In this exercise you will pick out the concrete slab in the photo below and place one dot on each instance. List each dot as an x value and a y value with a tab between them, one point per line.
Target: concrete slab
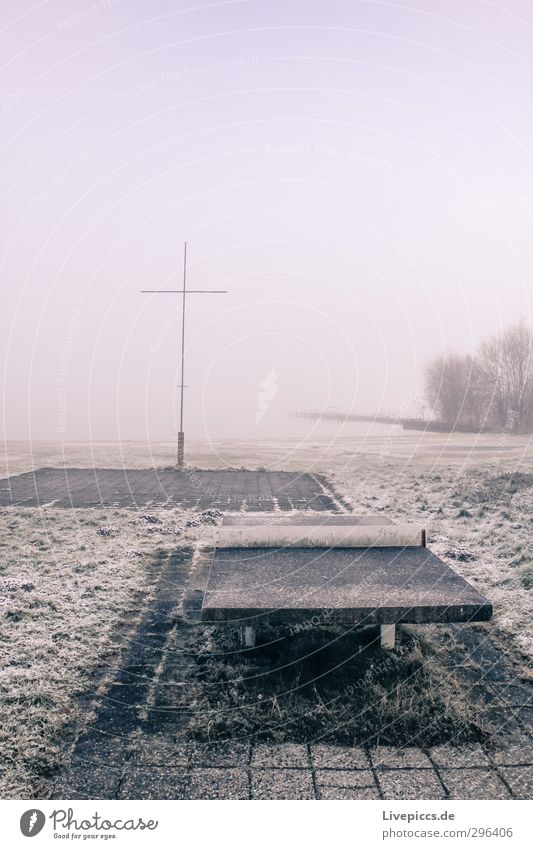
224	754
344	778
520	779
88	783
321	536
98	749
474	784
363	586
282	784
254	520
159	750
326	756
459	757
218	784
410	784
517	752
293	755
198	489
389	757
155	783
344	794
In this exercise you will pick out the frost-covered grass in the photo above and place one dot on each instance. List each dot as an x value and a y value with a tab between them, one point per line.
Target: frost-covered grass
316	448
64	587
480	520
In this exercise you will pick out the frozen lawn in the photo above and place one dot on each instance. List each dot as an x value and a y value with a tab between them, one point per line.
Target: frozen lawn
64	587
67	578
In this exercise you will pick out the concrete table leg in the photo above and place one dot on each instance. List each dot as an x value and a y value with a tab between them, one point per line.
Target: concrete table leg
388	636
248	637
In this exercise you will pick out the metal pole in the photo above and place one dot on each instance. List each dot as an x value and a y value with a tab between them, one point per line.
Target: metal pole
181	435
184	292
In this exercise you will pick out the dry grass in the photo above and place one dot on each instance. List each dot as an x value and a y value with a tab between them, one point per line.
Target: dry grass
327	684
64	587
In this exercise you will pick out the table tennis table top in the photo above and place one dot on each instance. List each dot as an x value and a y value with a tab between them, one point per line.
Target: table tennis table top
338	585
254	520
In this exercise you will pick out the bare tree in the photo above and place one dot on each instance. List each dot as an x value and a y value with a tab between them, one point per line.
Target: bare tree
455	390
493	389
476	402
506	362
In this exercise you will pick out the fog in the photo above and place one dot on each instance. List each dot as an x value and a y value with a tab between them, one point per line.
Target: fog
356	175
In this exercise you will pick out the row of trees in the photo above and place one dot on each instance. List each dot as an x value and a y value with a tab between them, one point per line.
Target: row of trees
492	389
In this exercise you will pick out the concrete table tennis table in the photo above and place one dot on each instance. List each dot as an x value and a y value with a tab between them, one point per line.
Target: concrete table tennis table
334	570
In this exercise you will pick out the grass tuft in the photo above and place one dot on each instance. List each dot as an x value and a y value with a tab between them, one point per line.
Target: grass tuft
328	684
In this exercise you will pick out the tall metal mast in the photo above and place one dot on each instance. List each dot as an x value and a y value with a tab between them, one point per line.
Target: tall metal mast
184	292
181	435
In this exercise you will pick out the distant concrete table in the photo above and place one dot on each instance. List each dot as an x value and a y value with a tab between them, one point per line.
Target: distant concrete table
381	585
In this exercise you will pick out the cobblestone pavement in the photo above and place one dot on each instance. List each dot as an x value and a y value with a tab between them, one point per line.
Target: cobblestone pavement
135	748
201	490
156	767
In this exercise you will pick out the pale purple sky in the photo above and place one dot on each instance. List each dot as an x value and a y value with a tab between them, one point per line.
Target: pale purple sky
357	174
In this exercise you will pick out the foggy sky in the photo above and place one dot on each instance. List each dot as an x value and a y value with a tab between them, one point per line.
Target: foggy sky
356	174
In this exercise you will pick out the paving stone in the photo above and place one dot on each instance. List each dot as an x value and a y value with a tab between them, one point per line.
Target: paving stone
459	756
520	779
218	784
345	793
154	783
159	749
338	757
515	752
140	674
166	487
85	783
98	748
389	757
140	656
124	697
345	778
282	784
410	784
474	784
280	755
116	720
168	704
232	753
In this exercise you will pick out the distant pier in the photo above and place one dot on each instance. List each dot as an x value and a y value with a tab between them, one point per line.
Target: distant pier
432	425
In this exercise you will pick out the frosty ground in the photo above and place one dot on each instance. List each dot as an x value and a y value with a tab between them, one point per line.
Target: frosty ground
71	579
